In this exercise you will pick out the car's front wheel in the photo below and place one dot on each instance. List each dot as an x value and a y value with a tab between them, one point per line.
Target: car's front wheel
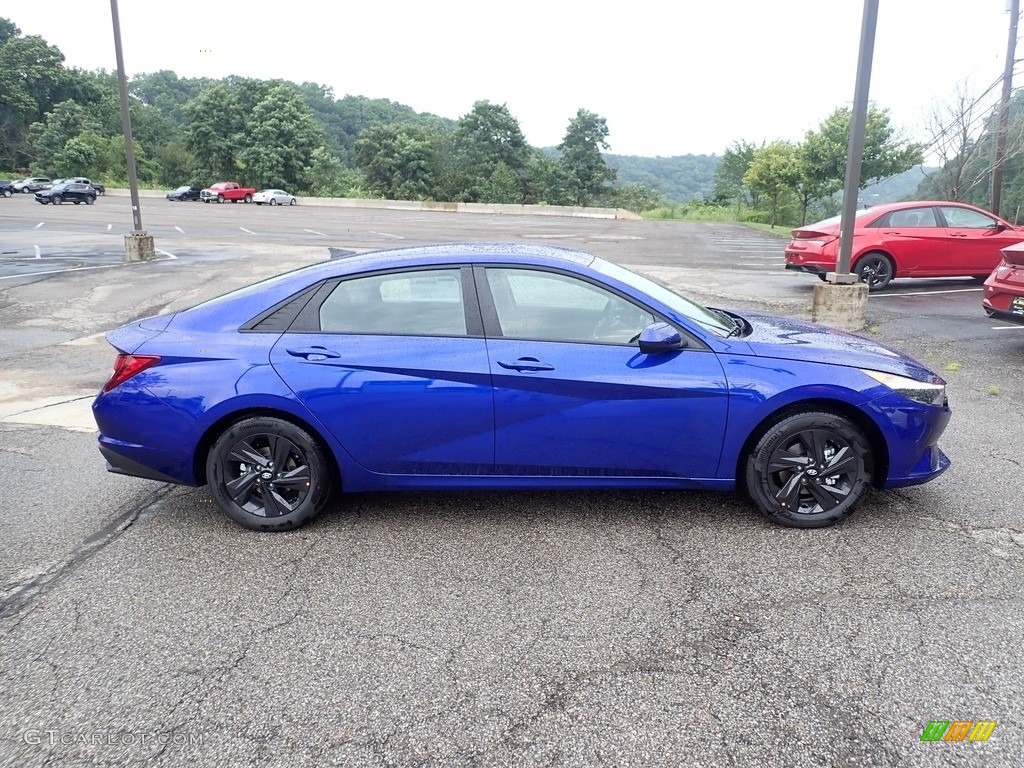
292	201
56	199
809	469
7	193
268	474
875	269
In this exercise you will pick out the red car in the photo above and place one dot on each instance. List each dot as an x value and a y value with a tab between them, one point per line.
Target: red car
916	239
1004	289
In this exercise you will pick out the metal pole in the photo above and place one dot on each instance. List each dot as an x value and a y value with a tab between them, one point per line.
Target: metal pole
1004	110
855	152
126	121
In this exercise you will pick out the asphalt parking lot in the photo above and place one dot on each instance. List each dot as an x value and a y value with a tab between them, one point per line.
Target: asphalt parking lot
140	625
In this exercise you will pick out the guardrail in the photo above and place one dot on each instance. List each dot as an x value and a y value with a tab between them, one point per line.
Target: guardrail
413	205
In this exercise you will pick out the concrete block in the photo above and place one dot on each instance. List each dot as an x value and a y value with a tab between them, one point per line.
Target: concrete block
139	246
841	305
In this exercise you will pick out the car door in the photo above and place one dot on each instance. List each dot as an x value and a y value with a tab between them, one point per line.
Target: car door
975	240
395	365
573	395
917	240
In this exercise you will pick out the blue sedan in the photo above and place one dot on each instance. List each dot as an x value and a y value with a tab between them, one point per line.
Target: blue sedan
498	366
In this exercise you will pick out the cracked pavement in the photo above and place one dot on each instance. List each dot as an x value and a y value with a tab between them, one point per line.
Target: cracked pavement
138	625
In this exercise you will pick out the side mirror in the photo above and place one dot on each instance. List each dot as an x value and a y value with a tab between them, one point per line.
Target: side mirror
660	337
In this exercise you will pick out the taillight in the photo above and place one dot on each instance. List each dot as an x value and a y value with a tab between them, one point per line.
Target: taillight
127	366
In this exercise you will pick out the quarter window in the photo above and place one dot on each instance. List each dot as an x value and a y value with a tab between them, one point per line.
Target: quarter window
422	303
532	304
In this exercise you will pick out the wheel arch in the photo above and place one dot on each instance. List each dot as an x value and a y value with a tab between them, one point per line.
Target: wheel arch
879	448
217	428
876	251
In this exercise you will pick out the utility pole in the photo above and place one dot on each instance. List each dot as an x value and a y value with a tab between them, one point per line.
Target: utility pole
1004	110
139	244
843	300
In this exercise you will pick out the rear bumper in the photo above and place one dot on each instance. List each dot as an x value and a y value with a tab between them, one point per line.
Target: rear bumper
811	269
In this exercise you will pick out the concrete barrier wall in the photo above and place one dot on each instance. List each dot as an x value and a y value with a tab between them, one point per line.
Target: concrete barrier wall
412	205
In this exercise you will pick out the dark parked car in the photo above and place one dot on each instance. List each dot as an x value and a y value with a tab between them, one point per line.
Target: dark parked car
6	188
69	191
916	239
500	366
32	184
184	193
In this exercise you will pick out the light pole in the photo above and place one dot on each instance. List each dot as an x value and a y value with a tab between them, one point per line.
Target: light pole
139	244
843	300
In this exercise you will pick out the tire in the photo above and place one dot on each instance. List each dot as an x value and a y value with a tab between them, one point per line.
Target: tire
803	463
89	199
875	269
293	201
220	198
76	202
822	277
247	199
7	193
296	493
25	190
273	201
56	199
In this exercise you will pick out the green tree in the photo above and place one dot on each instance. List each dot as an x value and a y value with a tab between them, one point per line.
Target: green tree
728	180
774	171
483	138
545	181
586	173
280	140
825	151
637	198
400	162
502	187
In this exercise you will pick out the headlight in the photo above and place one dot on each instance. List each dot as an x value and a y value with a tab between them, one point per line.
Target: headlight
928	392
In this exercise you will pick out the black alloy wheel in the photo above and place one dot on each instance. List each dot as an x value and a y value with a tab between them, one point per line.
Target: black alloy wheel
809	470
876	270
268	474
56	199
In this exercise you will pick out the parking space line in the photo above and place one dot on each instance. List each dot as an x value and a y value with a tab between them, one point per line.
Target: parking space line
109	227
925	293
168	254
40	224
1008	327
314	232
385	234
38	252
55	271
247	230
180	229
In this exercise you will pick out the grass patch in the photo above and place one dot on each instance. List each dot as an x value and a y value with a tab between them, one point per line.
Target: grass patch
952	367
995	390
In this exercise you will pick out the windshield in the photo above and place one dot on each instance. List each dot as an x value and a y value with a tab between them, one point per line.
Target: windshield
720	325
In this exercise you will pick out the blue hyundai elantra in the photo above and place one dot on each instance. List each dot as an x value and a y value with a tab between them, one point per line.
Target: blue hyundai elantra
500	366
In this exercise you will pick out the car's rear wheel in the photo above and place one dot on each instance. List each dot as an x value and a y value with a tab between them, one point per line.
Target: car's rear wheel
89	199
248	198
268	474
823	277
273	201
875	269
810	469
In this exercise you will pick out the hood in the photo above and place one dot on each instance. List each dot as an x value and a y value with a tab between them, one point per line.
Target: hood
787	339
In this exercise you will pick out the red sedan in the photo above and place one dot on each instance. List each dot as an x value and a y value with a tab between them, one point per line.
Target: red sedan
1004	289
916	239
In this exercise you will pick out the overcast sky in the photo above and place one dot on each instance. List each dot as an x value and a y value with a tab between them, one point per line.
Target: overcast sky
670	77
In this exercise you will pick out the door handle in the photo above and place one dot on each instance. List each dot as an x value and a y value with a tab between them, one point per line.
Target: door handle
313	353
525	364
957	234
